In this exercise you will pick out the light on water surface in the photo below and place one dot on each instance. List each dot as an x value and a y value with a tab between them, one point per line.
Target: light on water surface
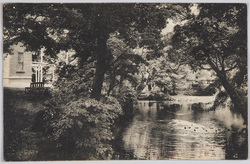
165	130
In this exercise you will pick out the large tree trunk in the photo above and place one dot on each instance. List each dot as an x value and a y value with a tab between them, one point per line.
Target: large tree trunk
101	51
237	101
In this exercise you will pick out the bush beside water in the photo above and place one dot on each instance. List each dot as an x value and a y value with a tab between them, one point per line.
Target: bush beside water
45	129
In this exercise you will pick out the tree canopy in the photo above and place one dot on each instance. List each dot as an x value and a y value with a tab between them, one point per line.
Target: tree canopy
86	28
206	36
216	39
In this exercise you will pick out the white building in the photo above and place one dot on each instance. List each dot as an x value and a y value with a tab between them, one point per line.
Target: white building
21	67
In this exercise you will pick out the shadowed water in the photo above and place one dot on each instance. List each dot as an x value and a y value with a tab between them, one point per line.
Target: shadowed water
165	130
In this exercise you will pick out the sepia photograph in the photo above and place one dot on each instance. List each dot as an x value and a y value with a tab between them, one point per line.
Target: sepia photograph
124	81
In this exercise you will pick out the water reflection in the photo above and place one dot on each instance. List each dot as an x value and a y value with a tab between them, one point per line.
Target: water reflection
161	130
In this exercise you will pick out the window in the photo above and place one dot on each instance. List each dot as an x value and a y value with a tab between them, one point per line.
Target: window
20	65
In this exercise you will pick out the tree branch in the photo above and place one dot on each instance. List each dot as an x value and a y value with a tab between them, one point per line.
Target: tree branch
233	67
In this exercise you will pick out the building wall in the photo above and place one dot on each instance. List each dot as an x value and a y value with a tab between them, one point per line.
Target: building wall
12	76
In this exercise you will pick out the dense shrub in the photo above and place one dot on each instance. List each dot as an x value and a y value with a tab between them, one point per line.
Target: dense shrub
73	82
76	126
81	129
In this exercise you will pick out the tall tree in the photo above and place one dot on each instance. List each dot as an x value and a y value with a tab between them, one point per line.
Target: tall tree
85	28
216	39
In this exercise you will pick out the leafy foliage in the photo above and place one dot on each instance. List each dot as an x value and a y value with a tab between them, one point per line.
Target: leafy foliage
78	119
73	82
76	123
86	29
123	65
216	39
84	125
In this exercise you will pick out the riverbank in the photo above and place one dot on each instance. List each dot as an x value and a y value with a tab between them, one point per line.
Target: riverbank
35	131
26	136
192	99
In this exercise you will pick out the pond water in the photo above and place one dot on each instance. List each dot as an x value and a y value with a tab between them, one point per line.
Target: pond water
184	130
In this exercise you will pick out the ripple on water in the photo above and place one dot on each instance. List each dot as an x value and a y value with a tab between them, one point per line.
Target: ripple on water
165	132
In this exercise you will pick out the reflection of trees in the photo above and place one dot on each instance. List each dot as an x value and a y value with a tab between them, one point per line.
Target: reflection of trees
137	136
167	111
161	131
237	145
197	111
187	143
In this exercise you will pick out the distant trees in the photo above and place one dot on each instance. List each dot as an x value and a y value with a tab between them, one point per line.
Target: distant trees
122	64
